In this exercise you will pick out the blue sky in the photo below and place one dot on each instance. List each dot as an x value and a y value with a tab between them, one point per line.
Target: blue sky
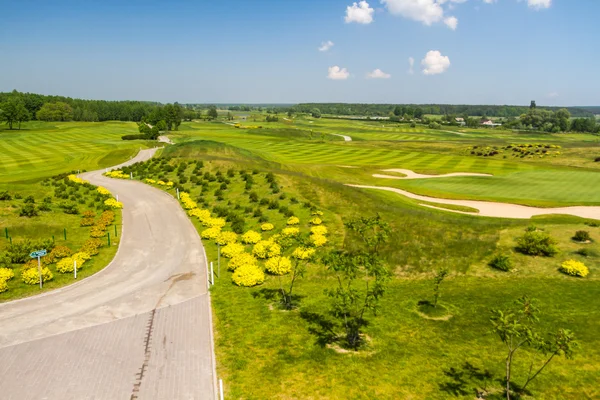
506	52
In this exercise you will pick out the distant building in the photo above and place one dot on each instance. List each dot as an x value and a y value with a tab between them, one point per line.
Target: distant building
489	122
461	121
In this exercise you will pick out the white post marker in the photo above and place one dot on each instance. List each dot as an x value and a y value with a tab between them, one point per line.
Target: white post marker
131	175
212	274
221	388
117	197
75	268
40	270
177	193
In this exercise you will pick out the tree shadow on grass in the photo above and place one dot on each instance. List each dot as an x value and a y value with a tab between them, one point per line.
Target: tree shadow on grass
276	296
321	327
468	379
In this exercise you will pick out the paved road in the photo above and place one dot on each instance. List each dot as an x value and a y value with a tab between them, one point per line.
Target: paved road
141	328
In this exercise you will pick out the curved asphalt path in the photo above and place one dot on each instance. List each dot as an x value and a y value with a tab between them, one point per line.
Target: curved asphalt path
140	328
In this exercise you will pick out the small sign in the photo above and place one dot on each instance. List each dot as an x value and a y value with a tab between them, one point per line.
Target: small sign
39	253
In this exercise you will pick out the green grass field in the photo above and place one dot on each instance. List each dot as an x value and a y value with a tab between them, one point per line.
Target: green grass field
265	352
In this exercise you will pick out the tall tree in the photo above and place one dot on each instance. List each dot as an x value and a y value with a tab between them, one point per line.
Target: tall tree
56	111
212	112
13	111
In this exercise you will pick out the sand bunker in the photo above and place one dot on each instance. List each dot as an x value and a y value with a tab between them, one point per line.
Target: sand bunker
346	138
413	175
497	210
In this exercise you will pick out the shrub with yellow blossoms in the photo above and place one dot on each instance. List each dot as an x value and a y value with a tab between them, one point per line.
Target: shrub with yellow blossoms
574	268
241	259
293	221
3	286
279	265
210	233
102	190
318	240
113	203
266	249
74	178
267	226
318	230
232	250
117	174
251	237
187	201
6	274
214	222
170	184
303	253
161	183
316	221
30	276
248	275
319	213
201	214
150	181
290	231
226	237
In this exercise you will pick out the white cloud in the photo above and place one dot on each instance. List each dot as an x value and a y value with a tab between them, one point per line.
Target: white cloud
360	13
326	45
426	11
435	63
489	1
337	73
451	22
378	74
411	63
539	4
552	95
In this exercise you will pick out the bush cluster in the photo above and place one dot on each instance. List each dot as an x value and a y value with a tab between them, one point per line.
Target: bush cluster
537	243
574	268
501	262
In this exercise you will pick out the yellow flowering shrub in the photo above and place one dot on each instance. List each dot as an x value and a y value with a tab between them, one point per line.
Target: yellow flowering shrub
57	253
318	240
3	286
278	265
316	221
248	275
318	230
293	221
75	179
267	226
210	233
303	253
241	259
574	268
226	237
319	213
91	246
215	222
81	257
117	174
113	203
187	201
290	231
169	184
251	237
6	274
161	183
66	265
30	276
103	190
150	181
232	250
97	231
202	215
266	249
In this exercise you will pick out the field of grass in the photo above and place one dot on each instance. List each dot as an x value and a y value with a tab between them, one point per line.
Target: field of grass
266	352
27	159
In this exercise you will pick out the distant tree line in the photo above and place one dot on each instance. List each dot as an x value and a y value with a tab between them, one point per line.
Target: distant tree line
387	110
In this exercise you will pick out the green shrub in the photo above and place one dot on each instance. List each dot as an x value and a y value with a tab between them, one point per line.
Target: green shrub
44	207
582	236
501	262
28	211
537	243
19	250
5	196
5	260
69	208
29	199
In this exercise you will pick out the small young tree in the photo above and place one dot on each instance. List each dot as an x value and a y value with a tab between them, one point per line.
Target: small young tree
361	277
515	327
437	281
301	257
